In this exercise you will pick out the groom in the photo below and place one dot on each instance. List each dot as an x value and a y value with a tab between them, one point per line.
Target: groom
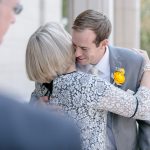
90	34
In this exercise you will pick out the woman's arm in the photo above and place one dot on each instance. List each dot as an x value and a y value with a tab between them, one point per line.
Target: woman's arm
40	95
126	104
146	75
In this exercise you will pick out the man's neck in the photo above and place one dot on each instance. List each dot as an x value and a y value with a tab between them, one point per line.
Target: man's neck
72	68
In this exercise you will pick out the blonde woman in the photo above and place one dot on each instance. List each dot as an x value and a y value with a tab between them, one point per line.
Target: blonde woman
86	98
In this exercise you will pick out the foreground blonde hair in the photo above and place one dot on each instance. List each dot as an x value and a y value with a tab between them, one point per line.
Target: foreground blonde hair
49	53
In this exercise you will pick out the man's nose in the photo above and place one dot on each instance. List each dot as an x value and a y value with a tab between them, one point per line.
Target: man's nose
78	52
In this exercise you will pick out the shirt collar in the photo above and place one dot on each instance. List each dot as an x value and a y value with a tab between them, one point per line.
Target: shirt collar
103	65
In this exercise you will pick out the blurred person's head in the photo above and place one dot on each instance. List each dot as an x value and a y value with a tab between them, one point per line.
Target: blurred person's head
91	30
49	53
8	10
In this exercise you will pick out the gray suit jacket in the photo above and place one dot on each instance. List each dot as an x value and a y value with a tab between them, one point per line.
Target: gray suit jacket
125	132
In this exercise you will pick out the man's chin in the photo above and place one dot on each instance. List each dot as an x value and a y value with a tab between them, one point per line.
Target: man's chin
81	62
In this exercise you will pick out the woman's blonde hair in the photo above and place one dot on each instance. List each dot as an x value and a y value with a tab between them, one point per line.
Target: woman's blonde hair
49	53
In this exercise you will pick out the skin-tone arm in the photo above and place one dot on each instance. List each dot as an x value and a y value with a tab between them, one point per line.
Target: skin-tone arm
145	79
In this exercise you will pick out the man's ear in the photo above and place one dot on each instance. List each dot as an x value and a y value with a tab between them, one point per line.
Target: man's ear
104	43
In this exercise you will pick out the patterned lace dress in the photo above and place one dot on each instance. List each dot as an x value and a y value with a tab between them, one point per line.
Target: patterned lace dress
87	98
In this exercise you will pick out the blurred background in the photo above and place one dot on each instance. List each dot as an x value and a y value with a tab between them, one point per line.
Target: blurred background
131	28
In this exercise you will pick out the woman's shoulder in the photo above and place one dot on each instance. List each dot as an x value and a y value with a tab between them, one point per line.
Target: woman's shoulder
81	78
91	80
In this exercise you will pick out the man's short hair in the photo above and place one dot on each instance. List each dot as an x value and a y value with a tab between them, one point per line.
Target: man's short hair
95	21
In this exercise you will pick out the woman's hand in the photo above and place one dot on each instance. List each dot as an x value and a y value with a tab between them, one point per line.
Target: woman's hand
146	74
44	99
144	54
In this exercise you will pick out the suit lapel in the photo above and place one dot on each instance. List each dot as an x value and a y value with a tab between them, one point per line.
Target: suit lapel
115	60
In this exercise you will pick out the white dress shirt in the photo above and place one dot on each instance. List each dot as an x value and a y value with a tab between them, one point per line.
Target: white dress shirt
103	66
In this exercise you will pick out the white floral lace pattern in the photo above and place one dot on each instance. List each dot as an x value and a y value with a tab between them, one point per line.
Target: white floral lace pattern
87	98
143	111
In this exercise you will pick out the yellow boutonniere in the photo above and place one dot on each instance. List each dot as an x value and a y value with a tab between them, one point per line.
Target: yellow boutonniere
119	76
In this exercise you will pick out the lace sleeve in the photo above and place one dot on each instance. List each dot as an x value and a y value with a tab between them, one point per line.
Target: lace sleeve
115	100
143	110
40	90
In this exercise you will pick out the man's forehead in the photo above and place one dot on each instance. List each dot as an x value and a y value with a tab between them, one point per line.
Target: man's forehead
83	41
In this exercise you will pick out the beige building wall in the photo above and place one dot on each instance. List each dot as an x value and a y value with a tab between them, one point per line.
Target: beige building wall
127	23
13	78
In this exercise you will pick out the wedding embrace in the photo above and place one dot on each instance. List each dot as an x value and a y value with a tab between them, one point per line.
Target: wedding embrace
51	58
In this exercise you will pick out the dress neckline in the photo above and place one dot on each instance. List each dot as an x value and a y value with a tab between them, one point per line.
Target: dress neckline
69	72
